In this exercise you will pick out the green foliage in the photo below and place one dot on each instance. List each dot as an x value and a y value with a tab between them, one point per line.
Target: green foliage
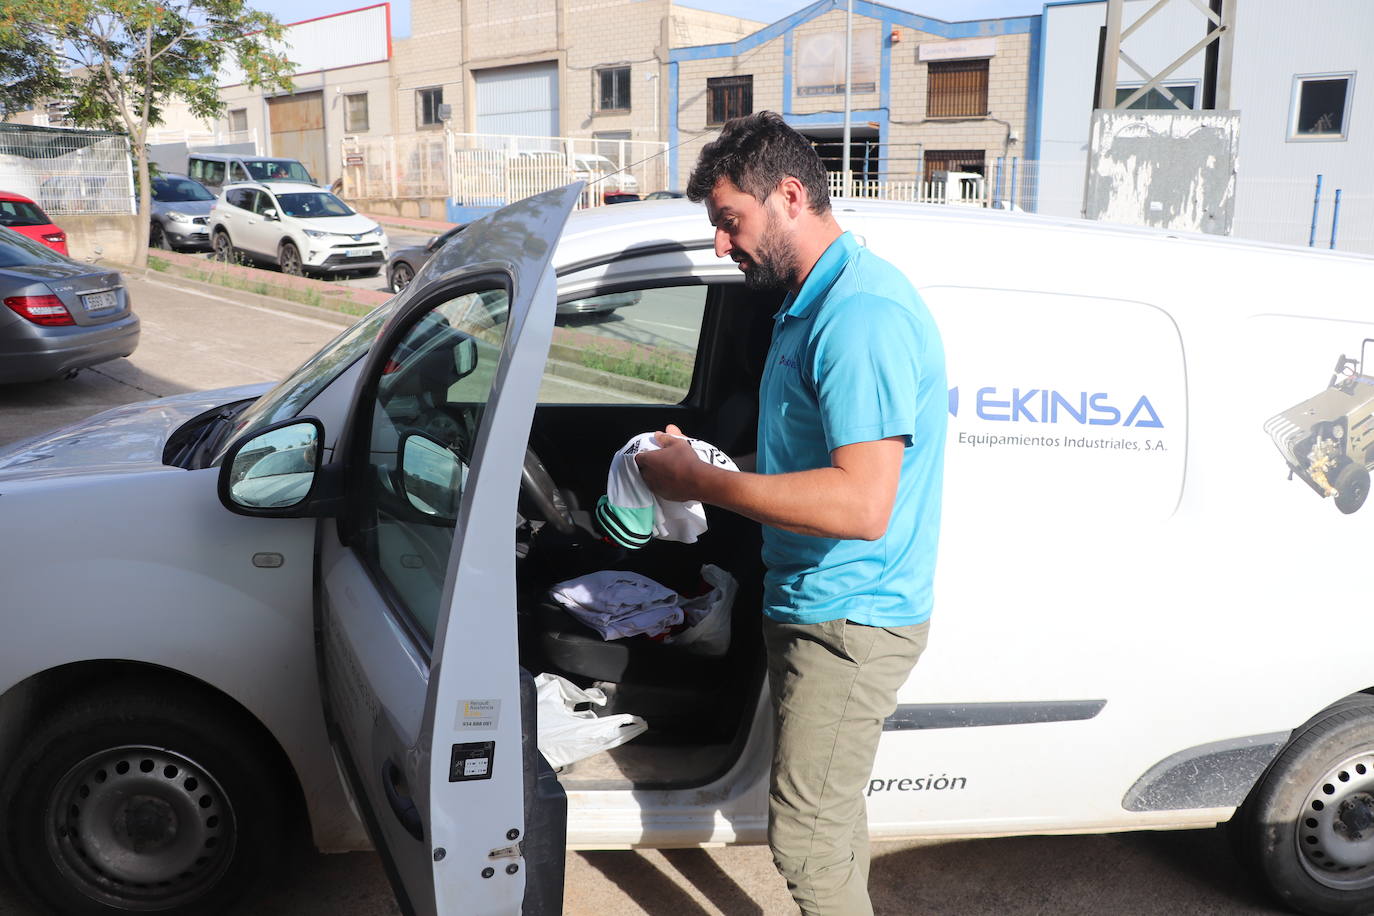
28	71
651	364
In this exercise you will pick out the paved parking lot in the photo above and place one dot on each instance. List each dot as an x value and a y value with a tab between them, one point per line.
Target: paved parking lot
192	341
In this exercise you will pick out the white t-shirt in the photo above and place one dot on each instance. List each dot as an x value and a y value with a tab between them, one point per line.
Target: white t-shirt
631	514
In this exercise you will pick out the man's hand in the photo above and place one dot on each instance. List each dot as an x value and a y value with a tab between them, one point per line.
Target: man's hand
672	471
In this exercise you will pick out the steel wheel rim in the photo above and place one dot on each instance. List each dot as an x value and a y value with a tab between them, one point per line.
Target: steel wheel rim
140	828
222	247
290	261
1335	829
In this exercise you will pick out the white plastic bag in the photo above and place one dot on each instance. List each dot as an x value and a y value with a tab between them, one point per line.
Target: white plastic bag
566	735
708	616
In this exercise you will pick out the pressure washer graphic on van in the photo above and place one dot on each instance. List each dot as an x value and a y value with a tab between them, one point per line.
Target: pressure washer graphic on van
1328	440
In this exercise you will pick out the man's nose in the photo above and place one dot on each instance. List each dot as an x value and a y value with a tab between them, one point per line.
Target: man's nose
723	245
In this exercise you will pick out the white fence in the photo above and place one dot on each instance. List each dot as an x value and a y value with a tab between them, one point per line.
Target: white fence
488	170
67	171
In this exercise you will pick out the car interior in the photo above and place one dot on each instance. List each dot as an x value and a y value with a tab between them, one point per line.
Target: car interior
697	708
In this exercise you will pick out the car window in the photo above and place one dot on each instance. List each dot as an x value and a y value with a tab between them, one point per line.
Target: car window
211	172
279	170
312	205
237	172
263	202
17	250
178	190
425	416
21	213
299	388
239	197
628	346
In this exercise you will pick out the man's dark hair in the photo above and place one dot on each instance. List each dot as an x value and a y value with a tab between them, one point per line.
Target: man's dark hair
756	152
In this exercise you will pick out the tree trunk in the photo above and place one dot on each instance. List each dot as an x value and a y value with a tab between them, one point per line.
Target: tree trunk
143	224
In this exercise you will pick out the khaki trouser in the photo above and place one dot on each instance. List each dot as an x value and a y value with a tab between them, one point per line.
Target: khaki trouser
832	685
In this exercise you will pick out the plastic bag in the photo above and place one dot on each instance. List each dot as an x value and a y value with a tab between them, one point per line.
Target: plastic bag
708	616
567	735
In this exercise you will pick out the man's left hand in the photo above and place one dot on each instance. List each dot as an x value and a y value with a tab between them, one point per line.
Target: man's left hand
672	471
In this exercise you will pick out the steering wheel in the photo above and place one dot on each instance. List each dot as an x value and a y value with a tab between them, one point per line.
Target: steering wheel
541	496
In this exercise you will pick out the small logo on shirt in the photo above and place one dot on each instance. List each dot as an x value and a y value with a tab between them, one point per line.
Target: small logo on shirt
790	362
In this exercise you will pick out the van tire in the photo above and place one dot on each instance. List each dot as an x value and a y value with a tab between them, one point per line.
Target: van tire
169	804
289	260
1314	848
1352	486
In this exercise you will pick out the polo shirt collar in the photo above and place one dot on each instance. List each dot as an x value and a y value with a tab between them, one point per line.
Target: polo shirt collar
821	277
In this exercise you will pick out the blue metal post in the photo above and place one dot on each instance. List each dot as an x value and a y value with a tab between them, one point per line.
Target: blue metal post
1335	217
997	186
1014	194
1316	202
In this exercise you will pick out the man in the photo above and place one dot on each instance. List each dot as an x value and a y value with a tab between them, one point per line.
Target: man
850	460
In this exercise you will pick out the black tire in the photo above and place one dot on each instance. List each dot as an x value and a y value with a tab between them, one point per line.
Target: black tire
222	249
157	237
401	275
1314	848
289	260
144	801
1352	487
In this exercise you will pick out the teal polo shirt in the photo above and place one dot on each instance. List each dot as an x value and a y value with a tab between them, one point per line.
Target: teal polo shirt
855	357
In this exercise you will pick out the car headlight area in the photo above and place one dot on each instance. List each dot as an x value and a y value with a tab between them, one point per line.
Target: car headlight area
344	251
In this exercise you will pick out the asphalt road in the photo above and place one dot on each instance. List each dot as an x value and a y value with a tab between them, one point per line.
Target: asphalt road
192	342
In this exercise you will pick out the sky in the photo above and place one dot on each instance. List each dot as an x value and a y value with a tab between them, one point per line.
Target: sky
288	11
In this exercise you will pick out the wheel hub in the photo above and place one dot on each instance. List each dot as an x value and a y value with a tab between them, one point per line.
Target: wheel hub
1335	830
140	828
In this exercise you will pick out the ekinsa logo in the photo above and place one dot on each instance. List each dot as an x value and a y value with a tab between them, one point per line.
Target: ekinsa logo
1046	405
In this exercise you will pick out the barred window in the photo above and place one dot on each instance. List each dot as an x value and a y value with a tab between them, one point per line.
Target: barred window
427	102
729	97
355	112
957	89
613	89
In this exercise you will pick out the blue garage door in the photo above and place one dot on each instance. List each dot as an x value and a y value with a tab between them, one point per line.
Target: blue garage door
519	100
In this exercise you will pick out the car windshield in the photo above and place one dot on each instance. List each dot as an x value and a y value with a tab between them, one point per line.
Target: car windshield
312	205
278	170
19	251
179	190
300	387
21	213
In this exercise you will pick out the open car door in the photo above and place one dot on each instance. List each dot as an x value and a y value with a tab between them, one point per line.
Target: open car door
416	598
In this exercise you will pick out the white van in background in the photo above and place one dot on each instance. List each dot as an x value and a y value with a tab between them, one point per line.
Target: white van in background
1148	596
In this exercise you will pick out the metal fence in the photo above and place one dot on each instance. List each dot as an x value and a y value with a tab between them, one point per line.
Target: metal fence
66	170
487	170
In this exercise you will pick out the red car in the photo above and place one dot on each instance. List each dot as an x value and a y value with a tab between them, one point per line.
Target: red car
27	218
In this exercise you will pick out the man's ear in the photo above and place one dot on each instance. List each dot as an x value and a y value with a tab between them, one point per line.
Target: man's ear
794	196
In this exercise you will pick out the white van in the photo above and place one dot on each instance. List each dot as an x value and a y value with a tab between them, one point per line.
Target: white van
1148	599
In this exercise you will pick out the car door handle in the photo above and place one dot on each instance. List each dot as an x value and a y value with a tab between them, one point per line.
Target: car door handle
402	805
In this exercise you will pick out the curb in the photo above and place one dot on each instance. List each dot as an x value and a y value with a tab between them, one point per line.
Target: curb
322	312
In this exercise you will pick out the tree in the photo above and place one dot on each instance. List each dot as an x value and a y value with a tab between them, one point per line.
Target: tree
129	58
28	71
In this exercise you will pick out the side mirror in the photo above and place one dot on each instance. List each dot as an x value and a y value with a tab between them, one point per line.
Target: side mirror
274	472
431	476
270	213
465	357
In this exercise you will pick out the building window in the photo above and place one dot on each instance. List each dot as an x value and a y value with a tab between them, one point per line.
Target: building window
238	120
427	105
957	89
820	62
613	89
955	160
729	97
1154	100
1321	107
355	112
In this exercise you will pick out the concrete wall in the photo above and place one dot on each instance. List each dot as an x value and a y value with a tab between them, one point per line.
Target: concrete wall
113	237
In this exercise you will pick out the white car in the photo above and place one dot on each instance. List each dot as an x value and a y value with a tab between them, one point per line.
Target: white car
298	227
215	604
603	174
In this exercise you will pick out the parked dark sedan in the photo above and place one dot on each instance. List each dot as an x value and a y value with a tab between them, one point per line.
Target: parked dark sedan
405	263
60	315
181	209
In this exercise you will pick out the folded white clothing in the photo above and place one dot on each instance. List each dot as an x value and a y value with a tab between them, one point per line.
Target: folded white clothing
630	513
617	603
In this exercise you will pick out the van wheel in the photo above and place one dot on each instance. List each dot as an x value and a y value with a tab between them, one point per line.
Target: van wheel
289	260
223	249
1352	486
1308	826
142	802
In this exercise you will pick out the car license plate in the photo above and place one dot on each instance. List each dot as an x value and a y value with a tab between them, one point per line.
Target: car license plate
99	302
358	252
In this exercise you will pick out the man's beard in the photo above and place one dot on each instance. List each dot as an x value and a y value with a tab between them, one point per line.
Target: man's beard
776	264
